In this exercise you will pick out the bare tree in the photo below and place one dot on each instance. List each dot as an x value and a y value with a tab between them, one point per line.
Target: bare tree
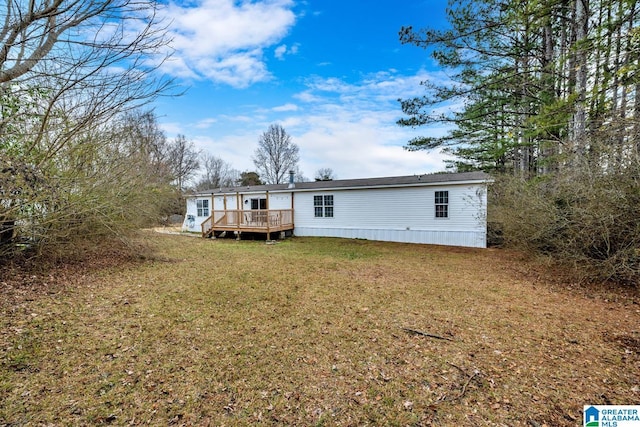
88	58
139	132
298	175
217	173
325	174
68	72
183	160
276	155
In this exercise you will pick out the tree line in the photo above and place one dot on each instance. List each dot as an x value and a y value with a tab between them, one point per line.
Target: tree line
544	94
75	157
79	157
81	154
274	158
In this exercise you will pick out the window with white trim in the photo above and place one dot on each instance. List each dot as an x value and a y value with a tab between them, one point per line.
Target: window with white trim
203	207
323	206
442	204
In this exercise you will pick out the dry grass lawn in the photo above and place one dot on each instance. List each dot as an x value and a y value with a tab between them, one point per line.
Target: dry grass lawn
312	331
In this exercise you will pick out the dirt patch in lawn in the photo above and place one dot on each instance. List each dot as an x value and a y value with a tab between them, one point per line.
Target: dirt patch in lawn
312	331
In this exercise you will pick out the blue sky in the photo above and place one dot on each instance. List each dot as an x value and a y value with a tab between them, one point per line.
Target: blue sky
330	72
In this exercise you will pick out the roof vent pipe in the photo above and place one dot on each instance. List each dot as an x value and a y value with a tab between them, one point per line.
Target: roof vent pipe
292	175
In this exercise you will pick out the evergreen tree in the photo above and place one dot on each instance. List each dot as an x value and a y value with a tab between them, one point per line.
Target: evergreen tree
542	83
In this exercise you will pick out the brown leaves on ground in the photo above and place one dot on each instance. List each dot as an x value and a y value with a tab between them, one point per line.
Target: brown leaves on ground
311	332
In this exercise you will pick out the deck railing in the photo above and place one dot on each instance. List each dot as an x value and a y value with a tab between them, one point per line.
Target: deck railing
256	220
206	226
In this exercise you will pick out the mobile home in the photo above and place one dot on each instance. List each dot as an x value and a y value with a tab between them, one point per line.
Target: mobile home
444	209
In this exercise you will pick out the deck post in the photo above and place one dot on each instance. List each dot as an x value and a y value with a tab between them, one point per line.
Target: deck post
238	214
267	217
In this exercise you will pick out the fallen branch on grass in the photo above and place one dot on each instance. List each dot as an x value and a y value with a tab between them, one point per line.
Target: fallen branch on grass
458	368
425	334
464	388
469	379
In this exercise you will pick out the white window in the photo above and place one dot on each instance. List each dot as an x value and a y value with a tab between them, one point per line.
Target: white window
442	204
203	207
323	206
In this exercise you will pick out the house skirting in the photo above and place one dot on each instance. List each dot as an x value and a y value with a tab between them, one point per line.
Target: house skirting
474	239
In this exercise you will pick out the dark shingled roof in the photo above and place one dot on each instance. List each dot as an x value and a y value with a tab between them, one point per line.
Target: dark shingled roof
392	181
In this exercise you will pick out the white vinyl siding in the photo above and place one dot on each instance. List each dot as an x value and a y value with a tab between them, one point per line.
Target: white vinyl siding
399	214
198	209
279	201
218	202
276	201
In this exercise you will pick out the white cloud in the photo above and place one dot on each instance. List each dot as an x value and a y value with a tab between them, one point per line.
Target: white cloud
280	51
351	127
286	107
283	50
171	128
330	84
238	118
307	96
235	149
206	123
361	145
223	40
347	126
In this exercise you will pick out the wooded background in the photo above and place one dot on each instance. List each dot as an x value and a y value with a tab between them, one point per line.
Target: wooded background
545	95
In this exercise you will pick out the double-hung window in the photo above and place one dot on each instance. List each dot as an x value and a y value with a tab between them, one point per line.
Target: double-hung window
323	206
442	204
203	207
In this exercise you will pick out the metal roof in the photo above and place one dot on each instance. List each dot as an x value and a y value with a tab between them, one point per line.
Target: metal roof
393	181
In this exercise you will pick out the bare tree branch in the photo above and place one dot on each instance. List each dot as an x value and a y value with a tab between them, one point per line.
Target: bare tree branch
70	71
276	155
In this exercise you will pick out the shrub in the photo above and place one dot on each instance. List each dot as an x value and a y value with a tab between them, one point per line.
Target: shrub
581	218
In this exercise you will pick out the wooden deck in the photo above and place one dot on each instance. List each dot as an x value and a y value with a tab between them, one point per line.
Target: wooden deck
251	221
